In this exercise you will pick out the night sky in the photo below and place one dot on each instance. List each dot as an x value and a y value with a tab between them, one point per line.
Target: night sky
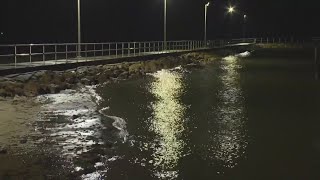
36	21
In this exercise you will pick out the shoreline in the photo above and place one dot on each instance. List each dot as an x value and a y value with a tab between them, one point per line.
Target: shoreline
50	82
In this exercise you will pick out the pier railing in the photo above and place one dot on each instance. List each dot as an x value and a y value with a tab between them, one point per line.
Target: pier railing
28	55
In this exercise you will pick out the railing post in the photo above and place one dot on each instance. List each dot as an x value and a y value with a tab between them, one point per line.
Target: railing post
122	49
30	55
86	49
94	50
128	49
55	54
139	48
134	49
15	56
144	47
158	46
116	49
149	46
66	53
110	49
43	55
162	46
102	49
79	52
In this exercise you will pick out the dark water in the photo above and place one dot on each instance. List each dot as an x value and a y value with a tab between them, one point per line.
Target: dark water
253	117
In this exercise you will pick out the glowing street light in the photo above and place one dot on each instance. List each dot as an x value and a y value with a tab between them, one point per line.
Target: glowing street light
205	22
231	9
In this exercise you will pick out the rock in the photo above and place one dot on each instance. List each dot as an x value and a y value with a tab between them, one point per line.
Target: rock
75	117
24	77
47	77
134	76
38	74
123	75
150	66
31	89
69	77
193	65
3	93
3	150
135	68
103	78
23	141
53	88
2	79
11	88
18	98
82	70
85	81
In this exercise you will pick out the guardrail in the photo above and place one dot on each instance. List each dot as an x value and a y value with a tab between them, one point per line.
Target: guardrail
44	54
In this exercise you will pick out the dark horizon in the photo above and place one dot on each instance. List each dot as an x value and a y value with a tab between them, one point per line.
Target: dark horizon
44	21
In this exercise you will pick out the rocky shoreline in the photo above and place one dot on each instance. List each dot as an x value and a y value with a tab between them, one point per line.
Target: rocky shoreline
49	82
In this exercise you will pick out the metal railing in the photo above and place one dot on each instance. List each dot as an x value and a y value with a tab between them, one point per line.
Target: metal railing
28	55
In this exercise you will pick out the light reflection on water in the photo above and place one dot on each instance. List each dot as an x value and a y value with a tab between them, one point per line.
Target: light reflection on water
230	137
167	122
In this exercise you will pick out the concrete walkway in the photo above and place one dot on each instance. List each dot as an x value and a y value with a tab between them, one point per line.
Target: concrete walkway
82	59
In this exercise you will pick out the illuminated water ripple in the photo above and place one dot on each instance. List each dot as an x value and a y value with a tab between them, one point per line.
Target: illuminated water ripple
228	142
167	123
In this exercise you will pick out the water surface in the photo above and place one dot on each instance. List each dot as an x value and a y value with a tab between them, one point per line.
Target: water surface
247	116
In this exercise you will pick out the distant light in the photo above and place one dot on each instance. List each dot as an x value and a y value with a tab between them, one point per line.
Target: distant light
1	33
208	4
245	16
231	9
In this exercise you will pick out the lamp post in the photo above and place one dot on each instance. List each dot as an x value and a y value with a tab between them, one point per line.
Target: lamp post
79	29
244	26
165	25
205	22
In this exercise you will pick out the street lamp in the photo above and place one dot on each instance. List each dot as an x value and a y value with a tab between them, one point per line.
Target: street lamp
165	25
231	9
79	29
205	22
244	26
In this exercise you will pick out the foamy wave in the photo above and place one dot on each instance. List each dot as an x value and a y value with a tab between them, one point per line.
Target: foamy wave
71	119
244	54
121	125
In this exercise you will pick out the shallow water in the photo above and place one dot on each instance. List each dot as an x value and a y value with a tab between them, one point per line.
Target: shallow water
243	117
